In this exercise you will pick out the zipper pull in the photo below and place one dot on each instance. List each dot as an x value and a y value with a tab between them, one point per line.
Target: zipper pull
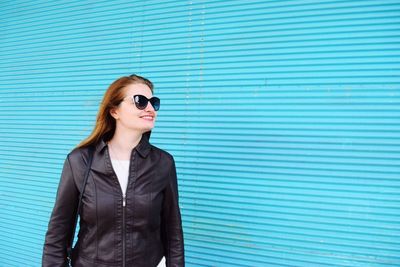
123	201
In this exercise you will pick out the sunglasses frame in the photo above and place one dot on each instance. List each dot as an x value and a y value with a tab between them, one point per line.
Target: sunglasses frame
151	100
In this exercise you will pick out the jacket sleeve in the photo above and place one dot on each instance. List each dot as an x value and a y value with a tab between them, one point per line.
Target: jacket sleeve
61	220
172	224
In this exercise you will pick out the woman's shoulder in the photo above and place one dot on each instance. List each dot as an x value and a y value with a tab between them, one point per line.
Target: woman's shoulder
163	153
79	155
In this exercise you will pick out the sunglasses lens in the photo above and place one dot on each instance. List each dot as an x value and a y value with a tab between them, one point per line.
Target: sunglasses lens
155	102
140	101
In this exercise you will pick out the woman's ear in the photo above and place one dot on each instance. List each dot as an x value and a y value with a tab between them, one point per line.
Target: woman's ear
114	113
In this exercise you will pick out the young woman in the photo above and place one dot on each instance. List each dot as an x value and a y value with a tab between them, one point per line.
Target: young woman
130	214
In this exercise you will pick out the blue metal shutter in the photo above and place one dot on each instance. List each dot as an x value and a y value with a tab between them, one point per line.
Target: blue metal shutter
56	60
283	118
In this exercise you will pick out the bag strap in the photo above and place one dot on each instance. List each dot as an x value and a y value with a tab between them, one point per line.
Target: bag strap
69	247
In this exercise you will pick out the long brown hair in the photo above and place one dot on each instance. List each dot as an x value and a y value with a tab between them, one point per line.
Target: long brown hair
105	123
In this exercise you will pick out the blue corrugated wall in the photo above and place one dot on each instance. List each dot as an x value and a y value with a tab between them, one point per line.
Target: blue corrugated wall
283	118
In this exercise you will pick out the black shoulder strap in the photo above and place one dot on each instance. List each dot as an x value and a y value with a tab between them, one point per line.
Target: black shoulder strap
69	247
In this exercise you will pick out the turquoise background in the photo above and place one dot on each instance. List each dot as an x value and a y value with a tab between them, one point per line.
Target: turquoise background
283	118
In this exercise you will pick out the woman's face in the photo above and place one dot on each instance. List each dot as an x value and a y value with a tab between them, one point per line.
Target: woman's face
128	116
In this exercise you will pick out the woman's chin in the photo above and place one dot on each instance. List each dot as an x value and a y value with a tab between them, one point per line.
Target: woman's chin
148	127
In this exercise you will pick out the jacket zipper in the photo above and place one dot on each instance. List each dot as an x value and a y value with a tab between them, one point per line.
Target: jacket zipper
123	230
123	212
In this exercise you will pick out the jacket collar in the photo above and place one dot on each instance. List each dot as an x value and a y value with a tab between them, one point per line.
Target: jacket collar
143	147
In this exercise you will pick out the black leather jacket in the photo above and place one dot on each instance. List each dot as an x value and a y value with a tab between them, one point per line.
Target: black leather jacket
137	234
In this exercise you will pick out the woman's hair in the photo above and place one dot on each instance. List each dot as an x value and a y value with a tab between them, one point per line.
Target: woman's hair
105	123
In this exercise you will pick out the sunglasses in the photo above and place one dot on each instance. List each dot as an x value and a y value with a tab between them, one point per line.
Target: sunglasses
141	101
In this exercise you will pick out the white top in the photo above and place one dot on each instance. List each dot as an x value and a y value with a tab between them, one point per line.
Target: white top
121	168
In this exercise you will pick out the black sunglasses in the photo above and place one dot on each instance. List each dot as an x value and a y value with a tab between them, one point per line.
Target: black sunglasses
141	101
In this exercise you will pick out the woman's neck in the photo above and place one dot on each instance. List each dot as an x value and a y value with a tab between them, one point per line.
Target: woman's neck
122	145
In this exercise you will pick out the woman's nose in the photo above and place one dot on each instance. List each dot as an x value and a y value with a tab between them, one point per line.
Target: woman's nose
150	107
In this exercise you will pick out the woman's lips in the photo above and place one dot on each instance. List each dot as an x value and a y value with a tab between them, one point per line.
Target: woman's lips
148	118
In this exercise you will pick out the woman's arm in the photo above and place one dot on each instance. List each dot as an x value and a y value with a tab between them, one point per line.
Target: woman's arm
172	224
61	221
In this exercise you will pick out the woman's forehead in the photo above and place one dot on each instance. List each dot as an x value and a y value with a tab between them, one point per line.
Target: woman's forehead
138	88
